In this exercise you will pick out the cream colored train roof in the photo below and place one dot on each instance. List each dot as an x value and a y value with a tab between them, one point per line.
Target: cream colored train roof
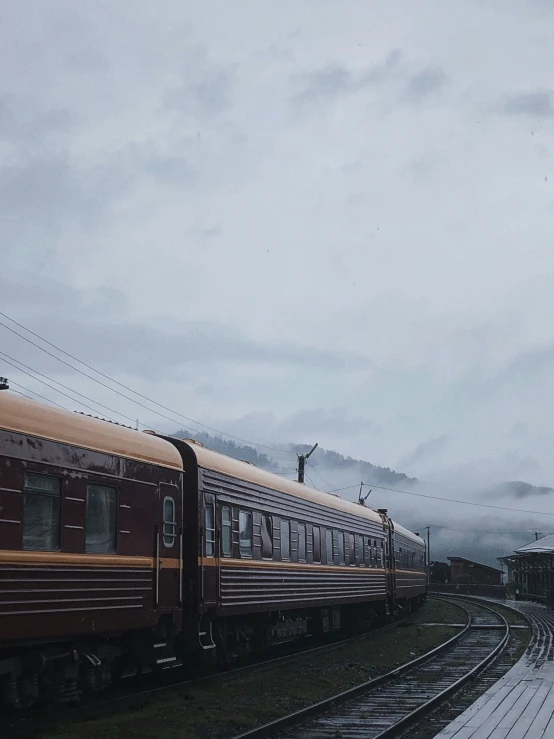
243	470
37	419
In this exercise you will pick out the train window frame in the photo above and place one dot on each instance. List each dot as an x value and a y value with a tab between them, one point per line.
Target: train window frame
316	545
266	530
91	548
329	546
30	494
245	551
226	529
340	547
285	526
359	549
302	542
367	552
209	531
351	549
169	523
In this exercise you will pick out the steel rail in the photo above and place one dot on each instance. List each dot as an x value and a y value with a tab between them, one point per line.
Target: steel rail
323	707
23	723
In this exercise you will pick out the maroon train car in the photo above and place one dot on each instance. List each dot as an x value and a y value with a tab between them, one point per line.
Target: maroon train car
123	549
90	550
267	559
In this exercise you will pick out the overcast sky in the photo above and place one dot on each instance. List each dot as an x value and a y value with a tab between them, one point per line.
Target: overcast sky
295	221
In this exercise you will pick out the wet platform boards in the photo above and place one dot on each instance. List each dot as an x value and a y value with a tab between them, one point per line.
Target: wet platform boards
521	704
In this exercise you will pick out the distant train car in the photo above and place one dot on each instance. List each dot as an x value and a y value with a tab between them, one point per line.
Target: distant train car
269	559
125	549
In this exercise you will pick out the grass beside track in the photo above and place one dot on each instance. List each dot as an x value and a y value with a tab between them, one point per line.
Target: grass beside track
224	706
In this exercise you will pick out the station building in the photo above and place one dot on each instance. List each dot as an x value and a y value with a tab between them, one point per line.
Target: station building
465	571
531	570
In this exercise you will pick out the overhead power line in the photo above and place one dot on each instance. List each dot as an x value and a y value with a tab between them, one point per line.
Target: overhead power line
312	483
56	382
55	389
120	384
447	500
479	531
42	397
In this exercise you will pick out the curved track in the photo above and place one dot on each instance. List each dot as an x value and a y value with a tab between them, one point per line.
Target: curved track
134	691
387	705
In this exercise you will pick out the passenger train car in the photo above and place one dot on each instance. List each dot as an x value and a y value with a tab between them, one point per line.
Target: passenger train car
122	549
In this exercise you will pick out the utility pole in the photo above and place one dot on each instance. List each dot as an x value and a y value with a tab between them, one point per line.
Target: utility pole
4	385
537	534
302	462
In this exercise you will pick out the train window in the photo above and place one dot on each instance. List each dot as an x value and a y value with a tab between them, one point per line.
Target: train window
341	548
316	538
209	521
285	540
100	531
41	517
267	537
351	550
245	533
329	546
359	550
226	531
302	542
169	522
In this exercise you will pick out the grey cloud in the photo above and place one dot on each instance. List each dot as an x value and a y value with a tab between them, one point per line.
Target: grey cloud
424	450
20	122
306	423
47	189
98	329
207	97
337	80
88	60
325	82
424	84
170	170
532	361
538	104
520	489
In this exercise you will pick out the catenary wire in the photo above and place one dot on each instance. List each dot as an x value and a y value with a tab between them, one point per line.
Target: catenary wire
75	400
42	397
446	500
116	382
7	358
479	531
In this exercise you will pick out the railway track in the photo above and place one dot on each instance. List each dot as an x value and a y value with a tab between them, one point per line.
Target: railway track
386	706
137	691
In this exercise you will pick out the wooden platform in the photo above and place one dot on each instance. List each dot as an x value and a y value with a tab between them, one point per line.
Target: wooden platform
521	704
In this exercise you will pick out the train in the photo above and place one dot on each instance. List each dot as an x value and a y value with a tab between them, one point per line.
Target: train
124	550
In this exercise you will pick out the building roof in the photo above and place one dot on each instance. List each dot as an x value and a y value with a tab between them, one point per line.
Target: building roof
24	416
540	546
475	564
208	459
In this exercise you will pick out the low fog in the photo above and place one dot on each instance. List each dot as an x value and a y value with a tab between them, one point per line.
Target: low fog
484	519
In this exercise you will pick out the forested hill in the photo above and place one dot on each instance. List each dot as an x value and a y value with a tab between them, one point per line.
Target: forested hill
325	465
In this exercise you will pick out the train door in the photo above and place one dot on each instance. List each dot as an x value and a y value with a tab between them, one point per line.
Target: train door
209	570
390	566
210	556
169	550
